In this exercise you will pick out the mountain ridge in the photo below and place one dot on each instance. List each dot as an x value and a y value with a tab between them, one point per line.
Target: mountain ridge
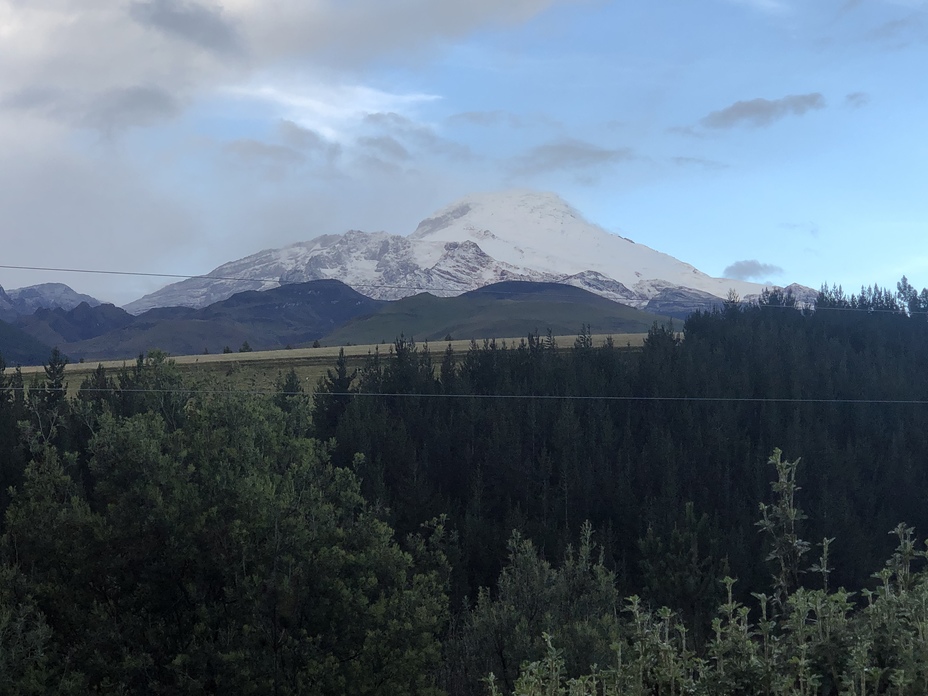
331	312
291	314
476	241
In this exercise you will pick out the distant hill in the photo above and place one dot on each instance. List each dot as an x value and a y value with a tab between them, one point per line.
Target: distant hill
293	315
511	308
19	348
59	326
300	313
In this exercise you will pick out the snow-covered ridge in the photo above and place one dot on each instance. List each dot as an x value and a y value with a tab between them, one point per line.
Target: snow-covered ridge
481	239
43	296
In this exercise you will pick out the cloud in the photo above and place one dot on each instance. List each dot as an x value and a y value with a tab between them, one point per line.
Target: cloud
751	270
206	27
763	112
255	151
767	6
856	100
351	34
486	119
569	155
296	137
122	108
850	6
893	31
686	131
809	228
420	137
110	112
88	48
271	162
385	147
699	162
66	209
332	110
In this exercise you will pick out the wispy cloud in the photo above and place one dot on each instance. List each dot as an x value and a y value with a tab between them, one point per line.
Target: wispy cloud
809	228
486	119
686	131
567	155
856	100
894	31
767	6
302	139
849	6
751	270
109	111
698	162
385	147
418	136
273	162
763	112
206	27
330	109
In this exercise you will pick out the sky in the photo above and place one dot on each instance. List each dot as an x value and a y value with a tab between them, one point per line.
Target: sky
772	140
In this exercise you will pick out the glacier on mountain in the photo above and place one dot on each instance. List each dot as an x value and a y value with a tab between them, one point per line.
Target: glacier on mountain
481	239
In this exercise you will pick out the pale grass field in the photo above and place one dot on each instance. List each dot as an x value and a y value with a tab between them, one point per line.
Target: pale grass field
258	370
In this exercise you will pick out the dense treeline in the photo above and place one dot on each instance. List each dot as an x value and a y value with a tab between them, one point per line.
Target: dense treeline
160	541
631	438
430	518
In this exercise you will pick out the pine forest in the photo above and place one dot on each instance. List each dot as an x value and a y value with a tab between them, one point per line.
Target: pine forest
737	507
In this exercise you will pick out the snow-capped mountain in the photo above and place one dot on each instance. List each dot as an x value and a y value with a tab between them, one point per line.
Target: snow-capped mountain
481	239
25	301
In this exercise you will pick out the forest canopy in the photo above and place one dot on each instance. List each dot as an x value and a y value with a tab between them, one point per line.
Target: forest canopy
526	511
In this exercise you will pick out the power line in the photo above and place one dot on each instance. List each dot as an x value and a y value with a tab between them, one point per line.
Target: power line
210	276
509	397
384	286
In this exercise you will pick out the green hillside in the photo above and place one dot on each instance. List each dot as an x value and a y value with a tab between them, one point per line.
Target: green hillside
295	314
503	309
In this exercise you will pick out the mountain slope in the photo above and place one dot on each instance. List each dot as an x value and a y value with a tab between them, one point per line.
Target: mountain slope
539	231
19	348
477	241
47	296
500	310
58	326
289	315
7	312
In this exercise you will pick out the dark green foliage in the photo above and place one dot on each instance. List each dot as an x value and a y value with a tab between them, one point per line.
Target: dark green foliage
55	386
633	449
222	557
24	638
152	385
332	397
680	566
12	449
819	642
576	603
780	521
510	308
160	539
